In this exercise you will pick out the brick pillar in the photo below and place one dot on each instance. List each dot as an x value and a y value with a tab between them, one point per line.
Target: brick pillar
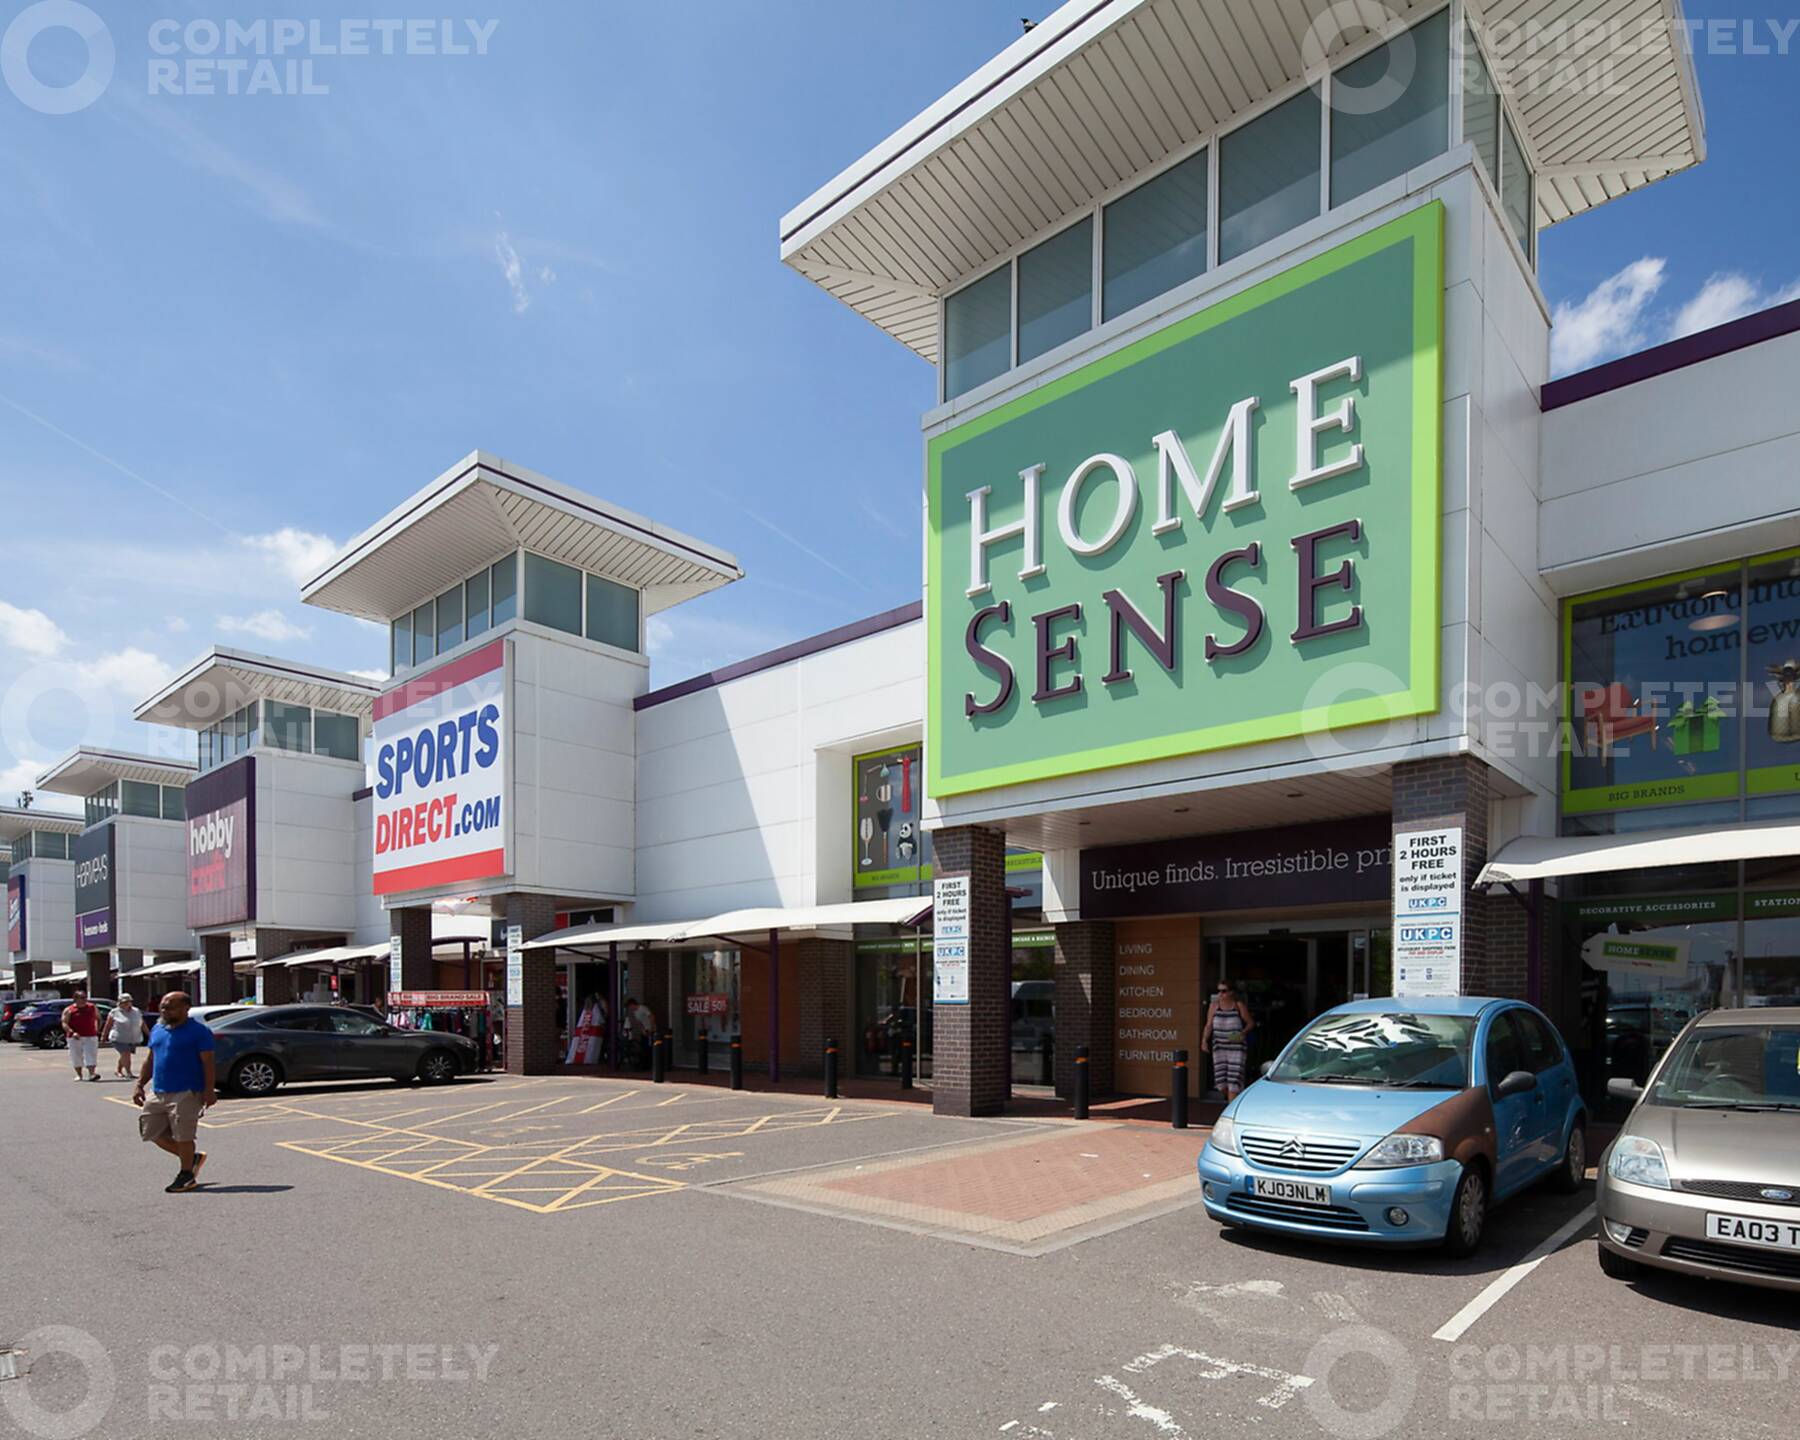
1086	1012
132	960
971	1043
530	1037
22	975
824	969
99	974
1453	790
277	985
217	983
412	924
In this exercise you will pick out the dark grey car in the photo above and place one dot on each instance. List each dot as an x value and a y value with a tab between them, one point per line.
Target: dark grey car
268	1046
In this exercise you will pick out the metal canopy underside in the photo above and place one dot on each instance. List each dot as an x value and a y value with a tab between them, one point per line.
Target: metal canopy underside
88	771
15	822
754	922
1548	857
1105	89
223	681
484	507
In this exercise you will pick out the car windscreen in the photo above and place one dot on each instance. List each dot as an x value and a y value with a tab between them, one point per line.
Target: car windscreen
1732	1066
1399	1048
224	1017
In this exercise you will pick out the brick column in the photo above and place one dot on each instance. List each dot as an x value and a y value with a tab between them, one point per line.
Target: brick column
99	974
971	1043
22	975
1086	1011
824	968
217	983
280	985
412	925
1453	790
530	1037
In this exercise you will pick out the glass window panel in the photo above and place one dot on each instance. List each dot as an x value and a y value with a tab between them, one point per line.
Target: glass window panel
290	726
424	625
475	597
1516	186
506	589
1772	639
1056	290
335	735
612	613
402	648
1481	107
552	594
137	798
450	619
1155	237
978	332
174	802
252	725
1269	175
1390	109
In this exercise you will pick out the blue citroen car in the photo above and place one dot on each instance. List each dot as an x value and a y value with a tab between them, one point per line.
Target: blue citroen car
1400	1122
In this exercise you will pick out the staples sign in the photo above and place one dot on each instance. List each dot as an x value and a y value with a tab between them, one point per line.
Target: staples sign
441	769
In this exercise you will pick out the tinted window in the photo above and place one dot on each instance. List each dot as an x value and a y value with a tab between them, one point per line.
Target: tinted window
475	591
1481	107
174	803
552	594
450	619
1269	175
296	1020
978	332
349	1022
137	798
1384	121
1505	1049
334	735
1155	237
1542	1046
424	627
289	726
506	589
612	613
1056	290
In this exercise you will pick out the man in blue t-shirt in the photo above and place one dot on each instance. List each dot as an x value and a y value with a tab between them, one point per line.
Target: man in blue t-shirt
178	1064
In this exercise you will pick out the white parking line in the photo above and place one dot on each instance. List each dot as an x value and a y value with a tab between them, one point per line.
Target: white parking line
1495	1292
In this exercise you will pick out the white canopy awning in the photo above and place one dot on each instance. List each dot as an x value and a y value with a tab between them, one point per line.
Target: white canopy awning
1545	857
162	967
61	977
908	910
327	956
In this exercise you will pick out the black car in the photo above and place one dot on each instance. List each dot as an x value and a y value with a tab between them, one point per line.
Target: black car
270	1045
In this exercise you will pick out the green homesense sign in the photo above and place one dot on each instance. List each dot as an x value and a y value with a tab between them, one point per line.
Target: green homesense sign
1226	532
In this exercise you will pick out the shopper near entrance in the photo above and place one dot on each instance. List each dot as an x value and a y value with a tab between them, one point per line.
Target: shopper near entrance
1227	1038
125	1032
81	1023
179	1067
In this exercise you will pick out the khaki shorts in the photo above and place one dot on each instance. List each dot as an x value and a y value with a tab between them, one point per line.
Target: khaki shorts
176	1115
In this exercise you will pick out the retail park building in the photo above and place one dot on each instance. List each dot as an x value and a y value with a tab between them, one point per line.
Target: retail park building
1284	622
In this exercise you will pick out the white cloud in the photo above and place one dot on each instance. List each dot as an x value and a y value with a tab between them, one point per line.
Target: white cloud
1727	296
131	674
376	677
300	554
514	272
1609	320
32	631
20	775
176	624
270	625
272	194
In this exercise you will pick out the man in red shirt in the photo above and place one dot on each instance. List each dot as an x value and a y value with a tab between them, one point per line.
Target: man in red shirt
81	1023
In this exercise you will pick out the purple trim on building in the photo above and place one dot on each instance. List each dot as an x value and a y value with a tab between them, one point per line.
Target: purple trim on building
362	794
1676	355
812	645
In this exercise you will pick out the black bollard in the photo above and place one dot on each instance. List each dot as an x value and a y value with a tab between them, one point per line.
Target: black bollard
668	1048
737	1062
831	1062
1081	1082
703	1046
659	1062
1178	1096
1046	1059
906	1068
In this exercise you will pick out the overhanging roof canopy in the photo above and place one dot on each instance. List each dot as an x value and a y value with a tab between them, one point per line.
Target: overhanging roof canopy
162	967
88	770
326	956
757	921
1102	90
223	681
483	507
1549	857
15	822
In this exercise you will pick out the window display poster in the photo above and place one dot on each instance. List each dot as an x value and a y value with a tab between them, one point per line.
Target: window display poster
1161	1005
515	966
950	940
887	803
1772	640
394	981
1428	889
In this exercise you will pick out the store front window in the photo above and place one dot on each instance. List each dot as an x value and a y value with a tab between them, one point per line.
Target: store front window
892	972
706	1005
1034	1007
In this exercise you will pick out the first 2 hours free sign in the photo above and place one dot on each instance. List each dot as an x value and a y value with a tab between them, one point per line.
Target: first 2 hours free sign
440	779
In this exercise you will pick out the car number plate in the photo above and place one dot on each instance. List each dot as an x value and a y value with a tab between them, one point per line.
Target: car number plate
1744	1230
1306	1192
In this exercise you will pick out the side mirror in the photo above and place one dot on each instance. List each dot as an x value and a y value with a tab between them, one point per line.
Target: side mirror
1518	1083
1623	1087
1265	1067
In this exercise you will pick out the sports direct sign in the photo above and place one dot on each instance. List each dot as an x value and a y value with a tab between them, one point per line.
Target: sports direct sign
441	775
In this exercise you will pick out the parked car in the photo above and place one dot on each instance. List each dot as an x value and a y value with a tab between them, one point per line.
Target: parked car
1704	1176
1400	1122
40	1024
271	1045
14	1006
212	1014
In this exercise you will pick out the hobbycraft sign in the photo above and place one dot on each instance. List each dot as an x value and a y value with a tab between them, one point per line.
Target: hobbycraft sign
442	774
15	914
221	861
1222	533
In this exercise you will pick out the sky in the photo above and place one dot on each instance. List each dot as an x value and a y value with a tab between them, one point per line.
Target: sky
237	329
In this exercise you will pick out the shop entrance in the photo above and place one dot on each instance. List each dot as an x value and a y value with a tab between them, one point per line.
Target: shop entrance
1289	976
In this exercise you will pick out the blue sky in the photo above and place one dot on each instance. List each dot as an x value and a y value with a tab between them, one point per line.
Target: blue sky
236	329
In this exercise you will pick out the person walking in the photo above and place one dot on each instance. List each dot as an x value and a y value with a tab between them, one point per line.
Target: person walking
1226	1038
125	1032
81	1023
178	1065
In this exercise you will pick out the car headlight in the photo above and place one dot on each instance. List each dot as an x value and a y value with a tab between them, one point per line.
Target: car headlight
1405	1150
1224	1135
1638	1161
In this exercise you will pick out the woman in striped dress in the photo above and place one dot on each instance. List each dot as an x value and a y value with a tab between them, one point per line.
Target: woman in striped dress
1226	1039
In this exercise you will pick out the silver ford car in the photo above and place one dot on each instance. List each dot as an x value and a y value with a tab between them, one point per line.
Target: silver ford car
1704	1177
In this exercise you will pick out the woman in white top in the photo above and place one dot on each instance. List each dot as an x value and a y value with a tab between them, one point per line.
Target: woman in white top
125	1032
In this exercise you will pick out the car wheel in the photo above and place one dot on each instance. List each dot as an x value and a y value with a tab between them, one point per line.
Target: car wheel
1616	1266
1571	1174
1468	1213
438	1067
255	1075
52	1040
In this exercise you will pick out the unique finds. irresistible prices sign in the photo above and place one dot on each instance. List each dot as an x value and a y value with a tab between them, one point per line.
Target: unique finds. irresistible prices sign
441	775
